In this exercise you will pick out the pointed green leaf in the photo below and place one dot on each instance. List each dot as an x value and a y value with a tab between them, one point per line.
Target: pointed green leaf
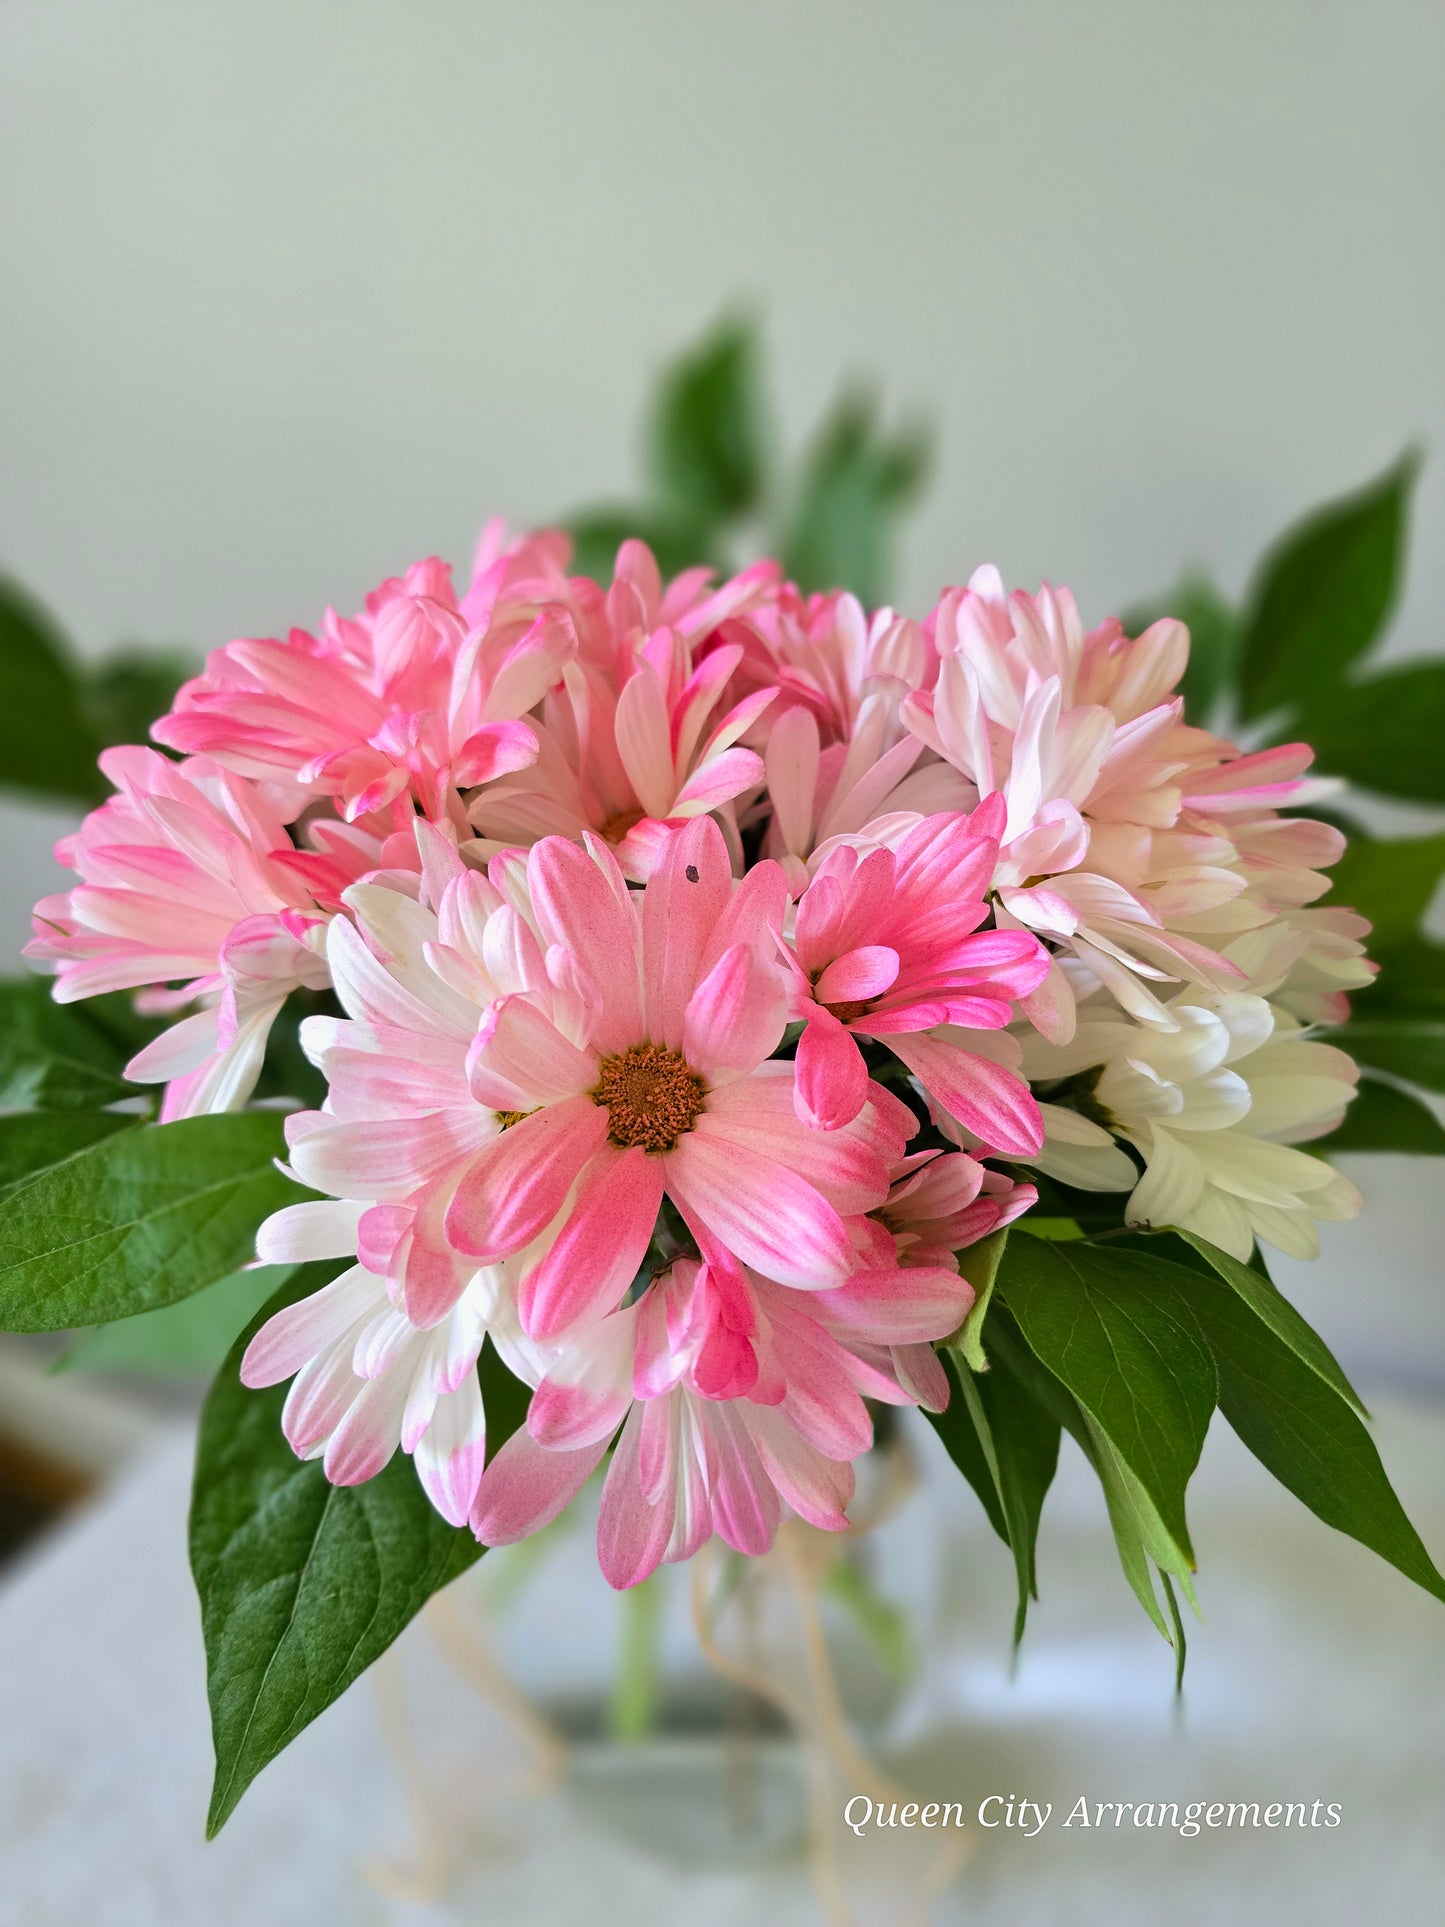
980	1268
1007	1447
1301	1428
1382	1118
302	1583
30	1144
1385	733
47	741
138	1220
1134	1521
54	1057
1122	1341
1274	1310
1323	592
190	1337
708	441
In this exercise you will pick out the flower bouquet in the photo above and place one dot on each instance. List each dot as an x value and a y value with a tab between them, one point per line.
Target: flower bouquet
659	1019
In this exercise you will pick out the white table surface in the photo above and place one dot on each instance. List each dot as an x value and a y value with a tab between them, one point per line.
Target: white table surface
1317	1676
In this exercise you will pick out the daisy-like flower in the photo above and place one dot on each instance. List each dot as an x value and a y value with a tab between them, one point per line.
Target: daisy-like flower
415	699
736	1397
887	945
187	873
530	1069
366	1379
1214	1108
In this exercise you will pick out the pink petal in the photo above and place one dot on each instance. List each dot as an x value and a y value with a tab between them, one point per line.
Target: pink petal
831	1083
519	1060
986	1099
519	1180
525	1487
581	901
858	974
595	1255
633	1534
736	1016
686	896
496	749
766	1214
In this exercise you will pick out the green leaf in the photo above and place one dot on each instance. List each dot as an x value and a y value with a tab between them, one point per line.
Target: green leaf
677	541
983	1263
1133	1519
47	742
1382	1118
1273	1310
1118	1335
302	1583
1300	1427
1390	883
1408	1047
1007	1447
31	1144
189	1337
1384	734
128	690
854	486
706	452
53	1057
1214	641
1323	592
144	1218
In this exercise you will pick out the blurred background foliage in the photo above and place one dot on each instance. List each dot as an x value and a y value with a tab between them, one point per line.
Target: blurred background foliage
1297	658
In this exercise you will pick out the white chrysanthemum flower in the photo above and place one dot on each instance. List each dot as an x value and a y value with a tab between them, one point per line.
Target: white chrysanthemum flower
1214	1109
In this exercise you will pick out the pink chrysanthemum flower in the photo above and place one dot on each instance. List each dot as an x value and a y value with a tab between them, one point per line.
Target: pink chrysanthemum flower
530	1069
887	945
418	697
634	741
366	1379
735	1396
187	873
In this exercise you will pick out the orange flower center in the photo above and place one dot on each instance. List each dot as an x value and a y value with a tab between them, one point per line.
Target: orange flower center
652	1095
617	825
852	1007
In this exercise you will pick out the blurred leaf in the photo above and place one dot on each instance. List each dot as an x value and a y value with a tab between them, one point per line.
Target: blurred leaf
1323	592
1384	734
1007	1447
885	1624
1301	1428
1382	1118
855	484
128	690
707	448
139	1220
1125	1348
1412	1048
1214	639
191	1336
52	1056
32	1143
1391	883
47	742
677	542
302	1583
